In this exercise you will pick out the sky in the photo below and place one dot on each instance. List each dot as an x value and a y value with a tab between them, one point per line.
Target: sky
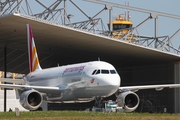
166	26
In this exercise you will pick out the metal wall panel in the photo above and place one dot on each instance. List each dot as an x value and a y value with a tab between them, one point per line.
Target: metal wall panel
151	100
177	91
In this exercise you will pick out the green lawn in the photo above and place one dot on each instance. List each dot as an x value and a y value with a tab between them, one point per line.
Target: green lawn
82	115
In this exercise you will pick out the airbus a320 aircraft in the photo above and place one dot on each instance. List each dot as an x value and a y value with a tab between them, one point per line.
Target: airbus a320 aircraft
81	82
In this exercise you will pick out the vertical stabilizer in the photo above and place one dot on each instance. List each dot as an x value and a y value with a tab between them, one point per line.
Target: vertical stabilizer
33	57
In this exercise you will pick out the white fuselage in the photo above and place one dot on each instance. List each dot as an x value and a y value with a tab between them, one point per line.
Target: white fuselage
77	82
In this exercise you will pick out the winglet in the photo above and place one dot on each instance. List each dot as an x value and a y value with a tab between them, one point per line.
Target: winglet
33	57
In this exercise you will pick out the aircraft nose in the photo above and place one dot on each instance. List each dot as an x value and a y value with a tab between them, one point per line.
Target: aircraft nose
114	81
107	84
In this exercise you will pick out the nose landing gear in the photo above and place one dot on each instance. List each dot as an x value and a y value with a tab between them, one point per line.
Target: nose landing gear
99	102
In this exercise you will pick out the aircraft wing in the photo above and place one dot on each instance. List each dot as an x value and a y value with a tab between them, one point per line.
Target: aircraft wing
42	88
27	86
20	84
156	87
10	80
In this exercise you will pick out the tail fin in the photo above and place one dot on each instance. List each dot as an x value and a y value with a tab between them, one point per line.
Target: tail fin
33	57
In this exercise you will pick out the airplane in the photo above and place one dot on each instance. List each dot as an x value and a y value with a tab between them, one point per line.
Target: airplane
82	82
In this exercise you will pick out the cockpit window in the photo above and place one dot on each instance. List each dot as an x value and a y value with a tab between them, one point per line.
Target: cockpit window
105	71
94	72
98	72
112	71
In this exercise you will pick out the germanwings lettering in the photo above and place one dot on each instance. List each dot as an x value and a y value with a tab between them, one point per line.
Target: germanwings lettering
73	69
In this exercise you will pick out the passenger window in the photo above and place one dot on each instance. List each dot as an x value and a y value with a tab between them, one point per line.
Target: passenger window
94	72
98	72
105	71
113	71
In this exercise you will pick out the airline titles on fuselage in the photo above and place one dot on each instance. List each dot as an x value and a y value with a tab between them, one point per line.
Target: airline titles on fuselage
71	70
74	69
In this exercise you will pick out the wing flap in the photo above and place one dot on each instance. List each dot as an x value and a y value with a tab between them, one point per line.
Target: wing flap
27	86
10	80
156	87
11	86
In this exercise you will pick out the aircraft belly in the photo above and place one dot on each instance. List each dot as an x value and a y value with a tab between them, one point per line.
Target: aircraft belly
63	95
78	94
93	91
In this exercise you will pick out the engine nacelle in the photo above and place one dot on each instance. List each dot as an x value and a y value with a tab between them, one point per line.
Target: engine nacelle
31	99
129	101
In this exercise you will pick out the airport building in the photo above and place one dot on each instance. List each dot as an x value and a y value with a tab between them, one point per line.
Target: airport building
139	60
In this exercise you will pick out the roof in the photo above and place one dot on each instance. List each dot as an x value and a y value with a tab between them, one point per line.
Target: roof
58	44
121	22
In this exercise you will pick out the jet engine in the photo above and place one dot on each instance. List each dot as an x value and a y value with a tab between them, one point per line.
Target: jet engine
129	101
31	99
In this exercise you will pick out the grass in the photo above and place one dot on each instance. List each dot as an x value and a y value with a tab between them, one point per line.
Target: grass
82	115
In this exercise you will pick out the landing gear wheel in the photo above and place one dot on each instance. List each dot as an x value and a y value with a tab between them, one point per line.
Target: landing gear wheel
99	102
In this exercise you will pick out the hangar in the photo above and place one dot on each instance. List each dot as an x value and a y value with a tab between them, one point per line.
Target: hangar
62	44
